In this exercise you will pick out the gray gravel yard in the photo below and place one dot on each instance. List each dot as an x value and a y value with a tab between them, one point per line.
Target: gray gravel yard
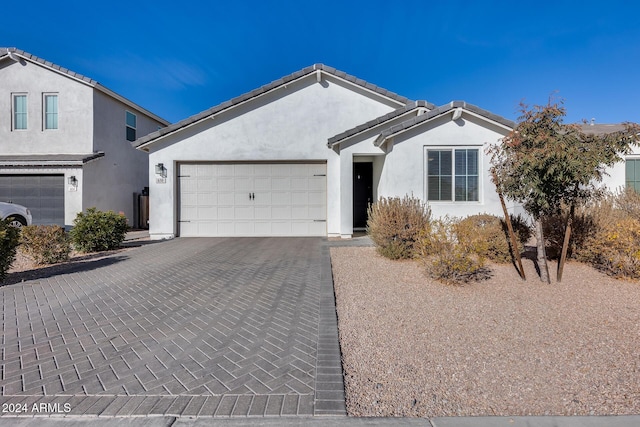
415	347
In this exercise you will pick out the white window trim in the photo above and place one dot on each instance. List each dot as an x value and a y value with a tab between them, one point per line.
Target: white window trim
135	128
13	111
452	148
44	111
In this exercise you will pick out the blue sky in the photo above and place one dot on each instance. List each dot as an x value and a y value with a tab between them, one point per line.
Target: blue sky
179	58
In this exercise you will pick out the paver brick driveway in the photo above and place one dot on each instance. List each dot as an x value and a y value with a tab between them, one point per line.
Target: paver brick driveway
185	327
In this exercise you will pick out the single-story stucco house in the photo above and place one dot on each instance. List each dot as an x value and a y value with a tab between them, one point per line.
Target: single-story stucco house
306	154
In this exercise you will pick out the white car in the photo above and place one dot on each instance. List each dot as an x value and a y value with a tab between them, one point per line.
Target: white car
18	214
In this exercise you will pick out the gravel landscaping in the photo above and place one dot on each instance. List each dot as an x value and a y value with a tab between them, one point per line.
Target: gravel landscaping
412	346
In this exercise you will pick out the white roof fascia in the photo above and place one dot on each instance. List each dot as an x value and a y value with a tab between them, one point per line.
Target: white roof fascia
380	141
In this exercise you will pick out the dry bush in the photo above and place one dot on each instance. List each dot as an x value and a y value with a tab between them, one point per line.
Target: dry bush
605	234
394	225
585	225
487	236
628	201
45	244
614	244
448	259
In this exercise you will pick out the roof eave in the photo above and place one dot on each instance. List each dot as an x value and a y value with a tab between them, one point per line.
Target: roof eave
450	108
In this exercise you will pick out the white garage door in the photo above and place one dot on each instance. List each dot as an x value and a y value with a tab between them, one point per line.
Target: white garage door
252	199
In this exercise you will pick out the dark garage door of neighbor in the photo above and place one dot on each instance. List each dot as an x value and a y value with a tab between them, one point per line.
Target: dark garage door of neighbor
42	194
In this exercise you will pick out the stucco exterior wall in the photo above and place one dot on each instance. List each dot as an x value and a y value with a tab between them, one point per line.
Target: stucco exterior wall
289	123
403	169
615	179
112	179
75	114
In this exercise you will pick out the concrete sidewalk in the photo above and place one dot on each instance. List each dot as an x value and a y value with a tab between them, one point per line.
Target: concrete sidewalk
544	421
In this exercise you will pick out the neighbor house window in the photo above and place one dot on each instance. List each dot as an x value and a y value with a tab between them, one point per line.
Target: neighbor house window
50	109
19	111
452	175
131	126
632	178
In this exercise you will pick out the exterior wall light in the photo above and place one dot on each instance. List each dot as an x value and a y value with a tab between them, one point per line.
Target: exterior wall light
161	170
72	180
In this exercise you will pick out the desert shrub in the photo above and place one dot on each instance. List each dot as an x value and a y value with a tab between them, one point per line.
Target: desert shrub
613	245
95	230
45	244
585	225
448	259
626	200
605	234
9	240
487	236
395	223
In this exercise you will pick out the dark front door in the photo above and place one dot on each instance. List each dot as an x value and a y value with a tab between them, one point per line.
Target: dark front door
362	192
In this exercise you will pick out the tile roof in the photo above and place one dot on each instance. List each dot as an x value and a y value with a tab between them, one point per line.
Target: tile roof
442	110
11	51
267	88
601	129
19	160
412	106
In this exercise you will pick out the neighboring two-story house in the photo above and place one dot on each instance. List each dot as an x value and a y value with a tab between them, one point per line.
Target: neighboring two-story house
65	141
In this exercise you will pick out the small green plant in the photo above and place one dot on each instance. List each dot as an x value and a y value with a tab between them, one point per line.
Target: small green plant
395	223
96	230
45	244
9	240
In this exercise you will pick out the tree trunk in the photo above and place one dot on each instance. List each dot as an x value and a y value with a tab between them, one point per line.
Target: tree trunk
512	238
565	242
542	254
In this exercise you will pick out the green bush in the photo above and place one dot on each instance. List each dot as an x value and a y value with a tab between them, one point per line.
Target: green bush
394	225
45	244
487	236
9	240
448	259
96	231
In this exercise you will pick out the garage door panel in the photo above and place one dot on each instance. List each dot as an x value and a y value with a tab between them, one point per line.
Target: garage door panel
317	183
42	194
282	212
243	213
299	198
206	198
225	183
226	198
316	197
281	183
243	184
280	198
225	212
282	228
207	212
259	199
263	183
206	183
243	228
316	213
